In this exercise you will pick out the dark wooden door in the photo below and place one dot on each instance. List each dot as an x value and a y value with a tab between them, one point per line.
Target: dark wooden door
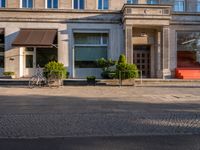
141	57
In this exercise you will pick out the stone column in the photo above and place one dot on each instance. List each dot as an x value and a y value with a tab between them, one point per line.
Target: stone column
158	54
128	44
166	73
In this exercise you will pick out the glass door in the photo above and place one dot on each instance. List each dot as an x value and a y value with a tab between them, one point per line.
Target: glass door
30	62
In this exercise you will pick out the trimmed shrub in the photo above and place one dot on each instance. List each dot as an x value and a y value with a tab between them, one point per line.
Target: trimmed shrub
9	73
107	71
125	70
122	59
91	80
55	69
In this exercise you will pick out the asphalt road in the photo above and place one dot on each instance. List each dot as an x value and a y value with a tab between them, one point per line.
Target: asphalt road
186	142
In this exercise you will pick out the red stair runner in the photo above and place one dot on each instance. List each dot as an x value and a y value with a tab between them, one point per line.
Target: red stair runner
188	73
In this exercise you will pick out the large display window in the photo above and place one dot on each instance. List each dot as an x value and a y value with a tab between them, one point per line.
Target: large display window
188	49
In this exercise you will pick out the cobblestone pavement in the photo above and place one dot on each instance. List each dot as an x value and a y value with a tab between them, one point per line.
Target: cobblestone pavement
98	111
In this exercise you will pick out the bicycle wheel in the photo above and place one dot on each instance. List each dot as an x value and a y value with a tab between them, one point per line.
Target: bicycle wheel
32	82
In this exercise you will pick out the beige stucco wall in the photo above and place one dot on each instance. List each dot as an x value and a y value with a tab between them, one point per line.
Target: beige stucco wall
13	4
39	4
12	54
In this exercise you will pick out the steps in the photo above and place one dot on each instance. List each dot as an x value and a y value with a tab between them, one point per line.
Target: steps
188	73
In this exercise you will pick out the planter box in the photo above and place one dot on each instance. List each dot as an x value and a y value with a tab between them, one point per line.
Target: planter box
8	77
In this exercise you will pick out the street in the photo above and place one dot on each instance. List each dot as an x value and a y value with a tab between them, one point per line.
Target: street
101	117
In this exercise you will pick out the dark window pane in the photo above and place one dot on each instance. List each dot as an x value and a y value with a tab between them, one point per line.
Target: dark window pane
106	4
2	3
30	49
24	3
82	4
49	4
55	3
2	40
132	1
152	1
86	64
75	4
1	61
100	4
30	3
29	61
45	55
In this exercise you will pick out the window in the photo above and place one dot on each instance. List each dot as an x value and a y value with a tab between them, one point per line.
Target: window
45	55
29	61
2	3
89	47
179	5
27	4
79	4
188	49
2	48
52	4
132	1
152	1
103	4
198	5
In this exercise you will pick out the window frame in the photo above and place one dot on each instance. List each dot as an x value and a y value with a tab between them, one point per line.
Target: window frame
1	4
152	2
103	7
73	1
184	6
21	4
92	45
132	2
198	6
46	4
2	53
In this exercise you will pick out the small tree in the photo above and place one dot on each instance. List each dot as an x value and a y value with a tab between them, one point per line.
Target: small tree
122	59
125	70
107	71
55	69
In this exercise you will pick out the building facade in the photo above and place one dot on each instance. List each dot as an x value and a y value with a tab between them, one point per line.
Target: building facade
157	35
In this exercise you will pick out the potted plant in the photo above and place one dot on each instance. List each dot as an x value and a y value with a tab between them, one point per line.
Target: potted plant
9	75
91	80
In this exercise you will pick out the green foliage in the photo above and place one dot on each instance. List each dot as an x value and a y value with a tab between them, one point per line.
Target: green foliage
9	73
125	70
108	72
122	59
105	64
91	78
55	69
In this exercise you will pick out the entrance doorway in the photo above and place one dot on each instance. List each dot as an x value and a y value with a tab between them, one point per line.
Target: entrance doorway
38	57
30	62
141	57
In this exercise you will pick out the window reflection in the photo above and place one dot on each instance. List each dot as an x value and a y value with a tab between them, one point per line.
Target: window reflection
188	47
